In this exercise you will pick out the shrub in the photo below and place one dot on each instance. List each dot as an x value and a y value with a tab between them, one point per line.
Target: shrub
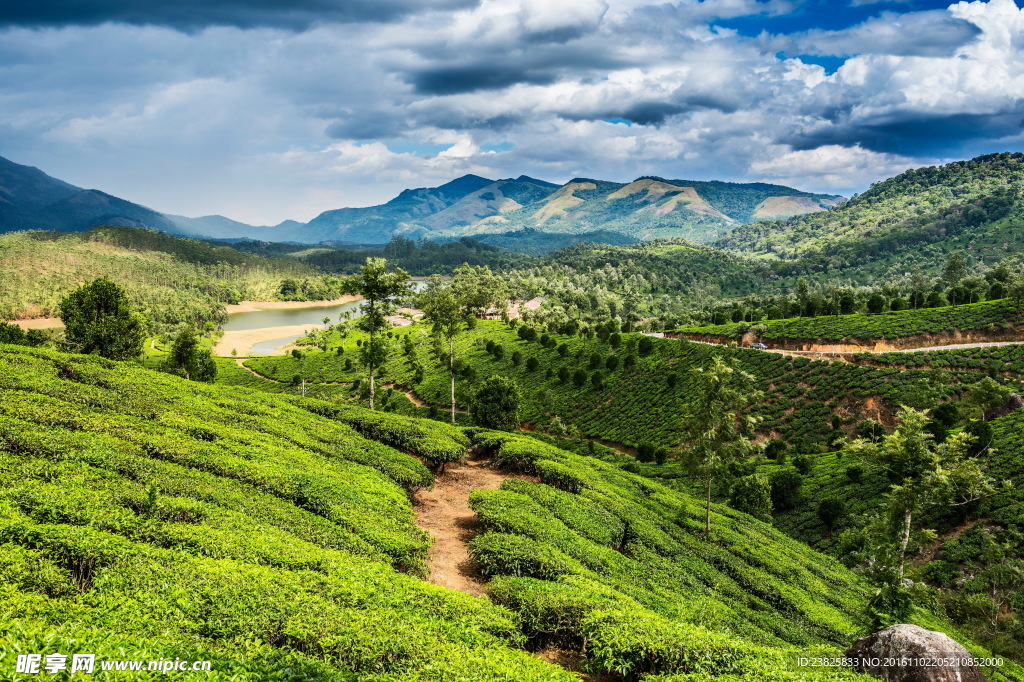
645	346
830	510
776	448
497	404
645	452
787	489
803	464
752	495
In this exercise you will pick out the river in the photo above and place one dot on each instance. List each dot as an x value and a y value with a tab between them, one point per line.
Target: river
246	327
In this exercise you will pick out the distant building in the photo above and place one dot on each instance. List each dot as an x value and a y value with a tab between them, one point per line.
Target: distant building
514	309
411	313
398	321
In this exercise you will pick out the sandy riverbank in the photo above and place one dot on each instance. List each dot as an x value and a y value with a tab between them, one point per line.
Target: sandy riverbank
244	340
40	323
253	306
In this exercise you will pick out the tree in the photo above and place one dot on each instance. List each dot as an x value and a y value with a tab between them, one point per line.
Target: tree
479	289
717	431
444	309
922	476
1016	292
752	495
786	488
645	346
379	288
830	510
985	396
98	318
953	271
803	295
497	403
187	359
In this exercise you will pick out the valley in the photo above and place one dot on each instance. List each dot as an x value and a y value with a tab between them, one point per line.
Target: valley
537	464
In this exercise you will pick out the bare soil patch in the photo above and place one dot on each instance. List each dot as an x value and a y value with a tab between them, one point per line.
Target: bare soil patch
444	512
253	306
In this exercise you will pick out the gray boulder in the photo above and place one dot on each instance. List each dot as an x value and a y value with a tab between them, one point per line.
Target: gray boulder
908	653
1013	403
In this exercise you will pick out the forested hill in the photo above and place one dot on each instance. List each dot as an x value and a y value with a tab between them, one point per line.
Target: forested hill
170	279
971	205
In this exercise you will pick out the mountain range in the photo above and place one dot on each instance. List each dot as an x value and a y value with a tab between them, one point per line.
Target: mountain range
647	208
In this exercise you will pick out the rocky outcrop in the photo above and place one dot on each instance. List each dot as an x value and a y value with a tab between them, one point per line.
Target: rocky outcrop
908	653
1012	404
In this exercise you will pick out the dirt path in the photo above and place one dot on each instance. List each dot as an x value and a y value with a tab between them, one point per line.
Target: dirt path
241	363
413	398
444	512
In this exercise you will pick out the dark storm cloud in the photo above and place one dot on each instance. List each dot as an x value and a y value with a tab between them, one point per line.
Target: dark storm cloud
459	79
917	133
195	14
915	34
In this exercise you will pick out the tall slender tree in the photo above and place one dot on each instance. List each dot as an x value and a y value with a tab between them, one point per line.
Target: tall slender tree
379	289
953	271
922	476
715	426
444	308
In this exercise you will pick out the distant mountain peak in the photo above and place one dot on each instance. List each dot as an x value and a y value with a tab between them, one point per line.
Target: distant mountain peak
535	181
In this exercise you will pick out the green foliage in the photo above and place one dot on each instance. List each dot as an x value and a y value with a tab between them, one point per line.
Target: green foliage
902	216
98	318
497	403
786	488
170	280
891	325
187	359
752	495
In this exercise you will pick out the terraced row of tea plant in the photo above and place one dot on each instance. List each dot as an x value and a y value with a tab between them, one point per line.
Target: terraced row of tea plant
989	359
142	516
988	316
593	387
597	555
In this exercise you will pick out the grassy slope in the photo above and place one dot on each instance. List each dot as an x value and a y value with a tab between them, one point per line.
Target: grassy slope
986	316
274	543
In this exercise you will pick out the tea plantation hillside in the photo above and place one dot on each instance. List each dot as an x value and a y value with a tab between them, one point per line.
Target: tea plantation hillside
591	385
145	517
975	563
989	317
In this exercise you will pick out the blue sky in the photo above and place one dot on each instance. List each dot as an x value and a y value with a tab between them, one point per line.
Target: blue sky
262	111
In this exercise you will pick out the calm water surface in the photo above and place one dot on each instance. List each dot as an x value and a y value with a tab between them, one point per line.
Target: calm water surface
312	316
